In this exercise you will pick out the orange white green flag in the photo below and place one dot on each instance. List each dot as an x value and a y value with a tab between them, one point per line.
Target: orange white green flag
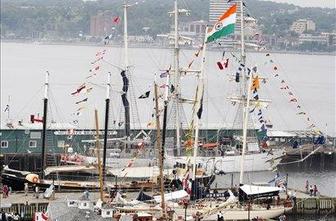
224	26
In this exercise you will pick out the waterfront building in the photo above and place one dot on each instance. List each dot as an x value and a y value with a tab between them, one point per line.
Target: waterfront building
101	24
218	7
319	39
303	25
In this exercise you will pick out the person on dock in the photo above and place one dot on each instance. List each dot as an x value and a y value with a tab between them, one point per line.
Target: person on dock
282	217
311	190
294	198
315	189
5	191
86	194
307	186
37	192
220	216
26	189
278	200
3	215
34	194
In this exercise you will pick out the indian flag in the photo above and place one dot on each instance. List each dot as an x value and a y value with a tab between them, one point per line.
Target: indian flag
224	26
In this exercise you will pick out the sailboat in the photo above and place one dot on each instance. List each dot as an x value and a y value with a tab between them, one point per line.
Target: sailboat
241	207
256	159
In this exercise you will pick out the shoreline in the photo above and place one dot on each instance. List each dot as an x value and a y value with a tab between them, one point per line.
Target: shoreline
158	46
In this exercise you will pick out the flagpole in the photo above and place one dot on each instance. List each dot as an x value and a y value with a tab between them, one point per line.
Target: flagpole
160	150
125	36
98	157
177	79
107	107
127	115
45	112
199	94
8	114
165	112
244	89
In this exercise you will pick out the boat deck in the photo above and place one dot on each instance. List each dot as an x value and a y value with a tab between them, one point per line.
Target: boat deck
21	198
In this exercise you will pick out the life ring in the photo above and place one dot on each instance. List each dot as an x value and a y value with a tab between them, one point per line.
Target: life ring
168	209
36	180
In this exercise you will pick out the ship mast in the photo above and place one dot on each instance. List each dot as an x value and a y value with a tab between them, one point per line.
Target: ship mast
98	157
107	107
246	92
177	79
45	113
159	147
125	35
199	97
126	68
165	109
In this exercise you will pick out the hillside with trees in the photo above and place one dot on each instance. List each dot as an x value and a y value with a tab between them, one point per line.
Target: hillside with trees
69	18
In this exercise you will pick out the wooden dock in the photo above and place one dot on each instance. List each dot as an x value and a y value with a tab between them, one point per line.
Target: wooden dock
26	206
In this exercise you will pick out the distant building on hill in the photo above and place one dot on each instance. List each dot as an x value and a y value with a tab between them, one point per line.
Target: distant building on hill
218	7
303	25
194	28
101	24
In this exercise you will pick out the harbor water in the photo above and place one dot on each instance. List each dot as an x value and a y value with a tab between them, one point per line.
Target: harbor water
311	79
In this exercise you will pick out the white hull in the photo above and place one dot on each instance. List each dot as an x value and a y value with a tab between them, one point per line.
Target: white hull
242	214
228	164
231	164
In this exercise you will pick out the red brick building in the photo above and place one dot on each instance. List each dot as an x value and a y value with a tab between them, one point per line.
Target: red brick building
101	24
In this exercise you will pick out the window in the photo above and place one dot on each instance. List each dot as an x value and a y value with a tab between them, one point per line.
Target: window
4	144
32	143
35	135
60	143
108	213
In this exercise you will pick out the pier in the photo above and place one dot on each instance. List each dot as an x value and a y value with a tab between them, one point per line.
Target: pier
26	206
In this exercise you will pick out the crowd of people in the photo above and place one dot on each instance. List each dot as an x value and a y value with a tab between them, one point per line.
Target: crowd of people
311	189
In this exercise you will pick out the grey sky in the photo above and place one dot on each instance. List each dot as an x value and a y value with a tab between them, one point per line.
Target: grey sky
309	3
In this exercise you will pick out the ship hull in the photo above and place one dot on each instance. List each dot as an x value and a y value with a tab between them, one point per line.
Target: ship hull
227	164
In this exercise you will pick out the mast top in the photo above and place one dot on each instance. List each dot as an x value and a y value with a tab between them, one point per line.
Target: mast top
46	85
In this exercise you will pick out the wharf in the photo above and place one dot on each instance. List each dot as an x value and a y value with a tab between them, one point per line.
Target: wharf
306	204
17	202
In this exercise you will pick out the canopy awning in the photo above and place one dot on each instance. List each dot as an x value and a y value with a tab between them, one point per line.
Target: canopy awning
172	196
251	192
143	196
209	145
70	168
138	172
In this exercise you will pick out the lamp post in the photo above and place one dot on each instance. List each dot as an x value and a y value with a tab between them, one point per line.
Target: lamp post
185	204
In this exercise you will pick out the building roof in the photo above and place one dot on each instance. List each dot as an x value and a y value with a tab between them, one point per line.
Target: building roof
280	133
36	126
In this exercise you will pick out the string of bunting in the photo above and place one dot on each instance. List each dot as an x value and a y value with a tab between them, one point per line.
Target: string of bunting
284	87
84	89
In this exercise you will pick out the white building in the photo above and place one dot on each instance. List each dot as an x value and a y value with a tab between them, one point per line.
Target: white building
303	25
218	7
320	39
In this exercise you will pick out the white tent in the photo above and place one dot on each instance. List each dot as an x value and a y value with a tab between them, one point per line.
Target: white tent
172	196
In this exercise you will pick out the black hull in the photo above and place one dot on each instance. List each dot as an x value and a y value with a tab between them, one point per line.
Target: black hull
17	184
14	182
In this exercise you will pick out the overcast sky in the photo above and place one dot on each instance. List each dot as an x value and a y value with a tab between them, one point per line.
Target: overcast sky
309	3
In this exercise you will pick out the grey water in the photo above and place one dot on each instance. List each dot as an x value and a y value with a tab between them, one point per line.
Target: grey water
311	78
318	169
